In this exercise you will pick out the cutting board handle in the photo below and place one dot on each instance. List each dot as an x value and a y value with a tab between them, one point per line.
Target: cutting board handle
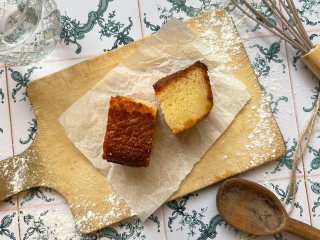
17	173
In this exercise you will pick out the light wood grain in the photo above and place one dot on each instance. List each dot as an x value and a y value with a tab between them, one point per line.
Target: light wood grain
255	210
59	165
312	60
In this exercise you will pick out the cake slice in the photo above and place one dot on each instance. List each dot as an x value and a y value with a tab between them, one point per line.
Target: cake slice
185	97
129	134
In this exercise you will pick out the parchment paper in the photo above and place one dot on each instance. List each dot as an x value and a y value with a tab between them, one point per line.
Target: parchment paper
172	48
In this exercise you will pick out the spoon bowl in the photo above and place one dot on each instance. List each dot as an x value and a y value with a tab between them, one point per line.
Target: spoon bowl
255	210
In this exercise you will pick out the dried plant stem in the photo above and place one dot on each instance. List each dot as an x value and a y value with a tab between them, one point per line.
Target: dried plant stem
305	135
300	40
285	22
297	35
292	187
298	21
278	33
292	18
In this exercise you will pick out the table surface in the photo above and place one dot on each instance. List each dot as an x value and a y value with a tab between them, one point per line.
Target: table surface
290	88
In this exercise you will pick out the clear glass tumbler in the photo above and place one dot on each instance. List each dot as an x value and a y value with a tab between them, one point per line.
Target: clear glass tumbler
29	30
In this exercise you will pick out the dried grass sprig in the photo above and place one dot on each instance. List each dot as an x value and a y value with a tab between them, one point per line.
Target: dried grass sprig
296	35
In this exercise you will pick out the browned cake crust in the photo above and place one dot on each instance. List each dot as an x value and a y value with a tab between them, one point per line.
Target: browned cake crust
130	128
166	81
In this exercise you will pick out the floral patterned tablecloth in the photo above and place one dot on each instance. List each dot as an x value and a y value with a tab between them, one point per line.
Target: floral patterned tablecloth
93	27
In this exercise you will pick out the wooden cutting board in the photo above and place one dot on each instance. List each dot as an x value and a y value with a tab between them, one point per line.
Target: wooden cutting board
53	161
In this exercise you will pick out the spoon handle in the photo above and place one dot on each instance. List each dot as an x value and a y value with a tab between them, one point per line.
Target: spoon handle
302	230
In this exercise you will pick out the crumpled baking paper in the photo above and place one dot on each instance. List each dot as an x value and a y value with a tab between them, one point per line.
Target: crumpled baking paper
172	48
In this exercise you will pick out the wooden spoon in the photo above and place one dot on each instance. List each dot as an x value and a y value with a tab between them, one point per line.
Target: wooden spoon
255	210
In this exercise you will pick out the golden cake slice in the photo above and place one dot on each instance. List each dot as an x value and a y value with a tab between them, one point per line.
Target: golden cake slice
129	134
185	97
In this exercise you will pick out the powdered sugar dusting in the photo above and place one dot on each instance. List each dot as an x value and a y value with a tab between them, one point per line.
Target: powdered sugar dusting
53	223
225	44
262	136
115	209
221	37
18	169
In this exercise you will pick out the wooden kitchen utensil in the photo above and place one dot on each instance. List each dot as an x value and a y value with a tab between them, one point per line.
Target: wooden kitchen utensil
255	210
294	33
53	161
312	60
